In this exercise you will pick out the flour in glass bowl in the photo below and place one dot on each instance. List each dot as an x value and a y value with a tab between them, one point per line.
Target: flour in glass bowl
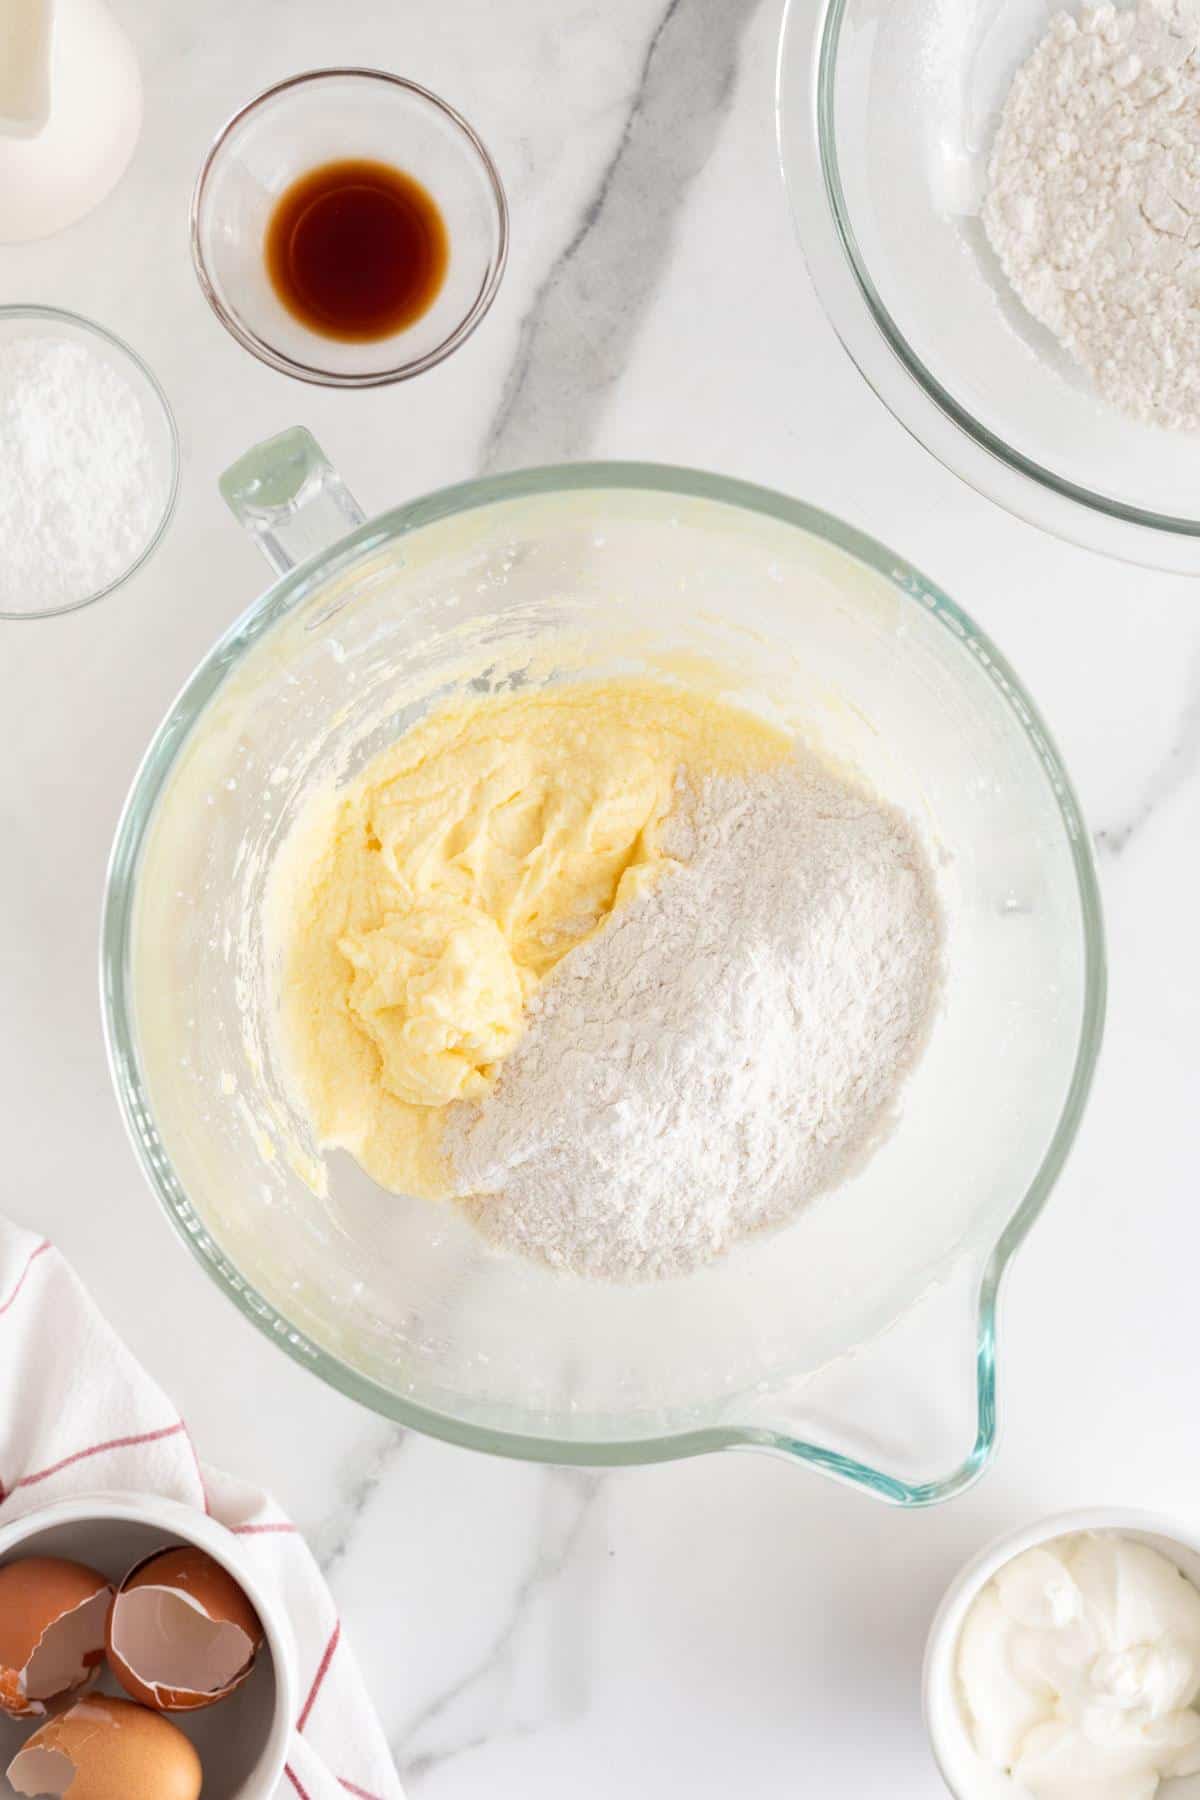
1093	201
729	1045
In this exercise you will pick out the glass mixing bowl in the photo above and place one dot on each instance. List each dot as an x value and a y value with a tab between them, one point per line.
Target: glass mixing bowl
399	1302
886	111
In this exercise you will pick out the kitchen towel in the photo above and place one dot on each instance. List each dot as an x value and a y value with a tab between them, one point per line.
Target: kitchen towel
78	1414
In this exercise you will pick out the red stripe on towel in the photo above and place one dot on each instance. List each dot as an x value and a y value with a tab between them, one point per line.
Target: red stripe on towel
199	1471
121	1443
359	1793
319	1677
295	1781
33	1256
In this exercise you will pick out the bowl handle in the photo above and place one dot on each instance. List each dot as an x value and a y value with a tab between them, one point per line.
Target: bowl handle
289	497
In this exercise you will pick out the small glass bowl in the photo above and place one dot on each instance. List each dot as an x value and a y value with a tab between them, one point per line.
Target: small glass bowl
50	321
322	117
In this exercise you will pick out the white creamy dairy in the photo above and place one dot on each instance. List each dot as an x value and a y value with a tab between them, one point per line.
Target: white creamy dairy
1079	1669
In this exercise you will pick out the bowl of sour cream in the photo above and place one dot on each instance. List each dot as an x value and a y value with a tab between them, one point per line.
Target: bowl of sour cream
1064	1663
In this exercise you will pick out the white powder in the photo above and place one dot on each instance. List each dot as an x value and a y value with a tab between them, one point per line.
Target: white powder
1094	200
726	1047
80	490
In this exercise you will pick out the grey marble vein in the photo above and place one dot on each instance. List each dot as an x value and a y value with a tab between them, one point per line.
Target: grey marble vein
576	335
430	1737
334	1537
1176	769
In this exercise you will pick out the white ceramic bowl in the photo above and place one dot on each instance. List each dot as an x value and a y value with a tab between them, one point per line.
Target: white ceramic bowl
965	1773
242	1741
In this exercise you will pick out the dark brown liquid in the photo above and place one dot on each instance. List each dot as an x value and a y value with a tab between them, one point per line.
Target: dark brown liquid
356	250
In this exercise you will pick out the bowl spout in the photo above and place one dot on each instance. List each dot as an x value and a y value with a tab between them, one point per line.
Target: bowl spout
25	31
911	1415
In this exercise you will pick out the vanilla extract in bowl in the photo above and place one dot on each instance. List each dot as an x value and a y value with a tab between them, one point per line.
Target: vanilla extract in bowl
357	249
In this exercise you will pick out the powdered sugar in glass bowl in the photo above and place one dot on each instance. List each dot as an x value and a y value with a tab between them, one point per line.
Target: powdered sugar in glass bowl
89	462
886	117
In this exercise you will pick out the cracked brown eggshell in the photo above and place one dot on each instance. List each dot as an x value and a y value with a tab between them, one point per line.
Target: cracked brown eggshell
181	1633
103	1749
53	1621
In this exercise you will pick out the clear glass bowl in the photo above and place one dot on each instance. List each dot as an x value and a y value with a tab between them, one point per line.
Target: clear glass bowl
399	1302
51	321
886	115
322	117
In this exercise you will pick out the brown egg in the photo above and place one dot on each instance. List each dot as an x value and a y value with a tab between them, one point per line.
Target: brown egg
102	1749
181	1633
53	1620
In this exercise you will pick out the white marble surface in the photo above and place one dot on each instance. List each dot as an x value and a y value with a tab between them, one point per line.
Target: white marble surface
727	1625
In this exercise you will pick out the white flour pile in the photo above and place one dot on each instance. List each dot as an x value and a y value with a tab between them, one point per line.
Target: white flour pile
1093	204
726	1047
80	490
